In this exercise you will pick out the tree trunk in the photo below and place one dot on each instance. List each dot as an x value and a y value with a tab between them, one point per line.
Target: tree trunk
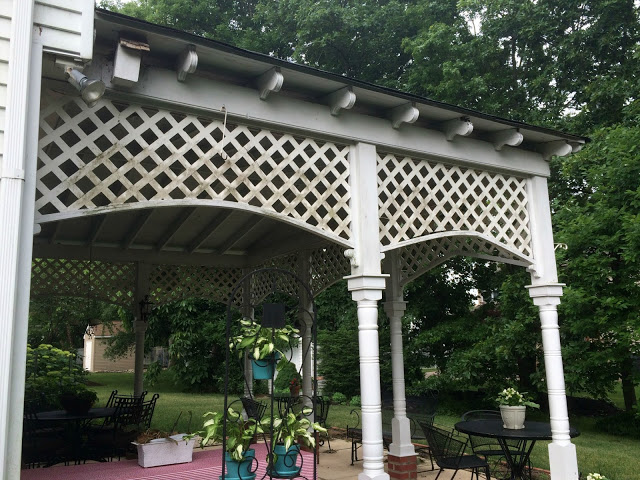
628	385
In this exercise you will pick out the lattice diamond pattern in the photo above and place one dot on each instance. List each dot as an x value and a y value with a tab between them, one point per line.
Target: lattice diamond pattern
109	282
169	283
328	265
421	257
417	198
116	153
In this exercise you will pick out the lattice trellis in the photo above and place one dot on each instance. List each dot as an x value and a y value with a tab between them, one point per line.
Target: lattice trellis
108	282
417	198
114	153
328	265
169	283
417	259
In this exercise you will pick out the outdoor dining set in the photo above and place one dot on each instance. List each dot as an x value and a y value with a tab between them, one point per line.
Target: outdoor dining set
73	437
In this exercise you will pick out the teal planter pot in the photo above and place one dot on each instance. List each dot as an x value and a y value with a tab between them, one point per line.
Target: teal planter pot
244	470
264	368
286	463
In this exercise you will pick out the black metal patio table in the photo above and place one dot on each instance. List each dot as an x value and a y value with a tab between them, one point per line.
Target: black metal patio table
75	427
532	432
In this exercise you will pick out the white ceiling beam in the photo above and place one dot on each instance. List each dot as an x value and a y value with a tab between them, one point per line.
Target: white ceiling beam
187	62
97	223
202	96
457	126
208	231
511	137
237	235
559	148
576	146
407	113
340	99
55	233
174	227
139	224
270	81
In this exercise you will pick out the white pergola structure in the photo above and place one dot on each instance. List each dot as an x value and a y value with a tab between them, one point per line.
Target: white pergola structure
203	161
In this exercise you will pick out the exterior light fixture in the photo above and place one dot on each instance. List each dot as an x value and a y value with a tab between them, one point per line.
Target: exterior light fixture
145	308
90	90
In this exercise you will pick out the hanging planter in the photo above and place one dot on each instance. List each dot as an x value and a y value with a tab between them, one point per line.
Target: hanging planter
263	369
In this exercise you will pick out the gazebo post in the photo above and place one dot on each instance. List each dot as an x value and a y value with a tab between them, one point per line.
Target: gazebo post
17	198
306	325
395	307
366	285
140	325
546	292
247	312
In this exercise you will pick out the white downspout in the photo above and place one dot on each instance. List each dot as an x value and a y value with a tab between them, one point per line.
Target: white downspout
15	219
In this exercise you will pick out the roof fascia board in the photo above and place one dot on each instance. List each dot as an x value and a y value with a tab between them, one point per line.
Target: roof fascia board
189	38
159	87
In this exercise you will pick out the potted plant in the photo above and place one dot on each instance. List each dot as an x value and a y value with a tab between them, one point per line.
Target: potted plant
76	398
513	407
289	432
294	386
266	345
239	457
157	447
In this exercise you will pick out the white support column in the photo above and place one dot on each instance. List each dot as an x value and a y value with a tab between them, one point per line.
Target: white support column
247	312
546	292
16	220
395	307
139	326
306	324
366	285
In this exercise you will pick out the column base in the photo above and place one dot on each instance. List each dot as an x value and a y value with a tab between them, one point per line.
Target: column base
401	435
563	462
373	476
402	468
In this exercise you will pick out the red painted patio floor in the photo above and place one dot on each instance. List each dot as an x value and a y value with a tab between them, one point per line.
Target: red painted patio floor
206	465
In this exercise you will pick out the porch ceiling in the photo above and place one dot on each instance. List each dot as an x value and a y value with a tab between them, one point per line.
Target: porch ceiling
174	235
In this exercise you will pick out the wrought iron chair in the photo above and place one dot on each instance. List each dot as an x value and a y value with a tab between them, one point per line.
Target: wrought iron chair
449	452
489	448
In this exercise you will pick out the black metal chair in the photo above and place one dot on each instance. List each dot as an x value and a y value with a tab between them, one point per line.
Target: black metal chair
321	412
450	454
489	448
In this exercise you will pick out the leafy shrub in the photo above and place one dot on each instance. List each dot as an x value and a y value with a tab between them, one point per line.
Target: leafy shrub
339	398
626	424
51	371
355	401
286	373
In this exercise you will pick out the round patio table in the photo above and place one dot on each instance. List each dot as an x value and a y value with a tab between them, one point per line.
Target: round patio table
75	428
532	432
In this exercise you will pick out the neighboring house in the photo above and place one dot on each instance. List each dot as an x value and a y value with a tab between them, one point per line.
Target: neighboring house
96	340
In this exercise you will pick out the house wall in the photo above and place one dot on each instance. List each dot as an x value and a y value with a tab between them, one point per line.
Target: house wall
99	363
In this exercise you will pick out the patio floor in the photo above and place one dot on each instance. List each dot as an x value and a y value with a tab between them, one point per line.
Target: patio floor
206	465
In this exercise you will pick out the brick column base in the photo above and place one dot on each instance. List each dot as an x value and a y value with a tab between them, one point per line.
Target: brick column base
402	468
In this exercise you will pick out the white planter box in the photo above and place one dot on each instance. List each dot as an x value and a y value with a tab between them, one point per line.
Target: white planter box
165	451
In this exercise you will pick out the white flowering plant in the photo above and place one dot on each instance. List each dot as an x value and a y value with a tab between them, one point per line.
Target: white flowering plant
596	476
512	398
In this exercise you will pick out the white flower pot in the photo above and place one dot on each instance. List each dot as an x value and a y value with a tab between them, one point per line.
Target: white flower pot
513	417
165	451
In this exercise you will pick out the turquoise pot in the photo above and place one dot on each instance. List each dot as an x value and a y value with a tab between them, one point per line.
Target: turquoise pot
286	464
244	470
264	368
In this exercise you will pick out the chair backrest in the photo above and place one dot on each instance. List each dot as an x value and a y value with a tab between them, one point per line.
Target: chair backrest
111	402
321	410
253	408
146	412
444	447
480	415
128	411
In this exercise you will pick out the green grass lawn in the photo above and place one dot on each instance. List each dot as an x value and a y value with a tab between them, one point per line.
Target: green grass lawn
616	457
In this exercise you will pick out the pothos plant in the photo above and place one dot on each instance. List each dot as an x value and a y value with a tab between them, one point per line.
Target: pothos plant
240	432
294	428
263	341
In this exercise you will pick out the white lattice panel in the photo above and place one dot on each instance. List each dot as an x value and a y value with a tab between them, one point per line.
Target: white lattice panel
116	153
328	265
169	283
264	283
417	198
108	282
419	258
